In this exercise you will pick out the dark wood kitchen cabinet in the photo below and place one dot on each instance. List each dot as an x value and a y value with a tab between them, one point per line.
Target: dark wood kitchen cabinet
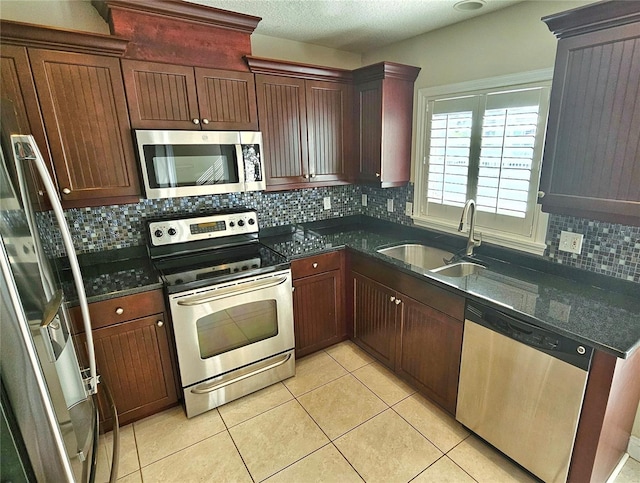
409	325
318	302
384	117
67	86
133	355
305	116
590	166
167	96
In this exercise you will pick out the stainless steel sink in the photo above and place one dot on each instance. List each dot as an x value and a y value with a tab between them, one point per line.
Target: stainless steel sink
461	269
419	256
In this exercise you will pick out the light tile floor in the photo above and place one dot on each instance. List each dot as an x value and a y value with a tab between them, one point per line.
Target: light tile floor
342	418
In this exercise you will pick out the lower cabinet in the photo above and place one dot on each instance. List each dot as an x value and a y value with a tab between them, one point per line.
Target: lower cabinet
410	326
318	302
133	356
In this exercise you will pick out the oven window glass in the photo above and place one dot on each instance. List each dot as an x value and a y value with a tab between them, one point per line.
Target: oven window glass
236	327
175	165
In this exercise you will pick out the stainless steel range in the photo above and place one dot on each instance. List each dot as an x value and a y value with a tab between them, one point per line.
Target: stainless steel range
231	304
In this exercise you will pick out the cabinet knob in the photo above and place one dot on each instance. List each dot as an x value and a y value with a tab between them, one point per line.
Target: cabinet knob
398	301
315	265
195	121
306	176
40	193
392	298
205	121
66	191
377	175
119	311
159	323
541	194
312	176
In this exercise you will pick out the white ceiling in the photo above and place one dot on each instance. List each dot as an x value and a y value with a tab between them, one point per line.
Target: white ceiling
352	25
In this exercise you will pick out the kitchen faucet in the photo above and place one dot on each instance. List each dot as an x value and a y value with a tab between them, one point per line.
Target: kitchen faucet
470	205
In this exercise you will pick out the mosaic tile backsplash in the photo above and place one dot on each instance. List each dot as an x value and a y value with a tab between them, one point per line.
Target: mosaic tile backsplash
609	249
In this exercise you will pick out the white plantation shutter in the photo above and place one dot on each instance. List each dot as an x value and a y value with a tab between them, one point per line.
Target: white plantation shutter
486	146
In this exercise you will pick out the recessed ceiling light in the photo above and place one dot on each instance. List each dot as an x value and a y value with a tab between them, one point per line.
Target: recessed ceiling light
469	5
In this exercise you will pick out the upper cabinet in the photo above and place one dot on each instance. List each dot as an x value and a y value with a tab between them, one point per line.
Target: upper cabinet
384	115
591	159
305	116
80	98
166	96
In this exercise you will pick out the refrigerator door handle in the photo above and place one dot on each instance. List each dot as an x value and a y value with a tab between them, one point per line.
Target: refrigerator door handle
32	154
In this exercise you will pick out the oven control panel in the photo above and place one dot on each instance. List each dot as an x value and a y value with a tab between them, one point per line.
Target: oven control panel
181	230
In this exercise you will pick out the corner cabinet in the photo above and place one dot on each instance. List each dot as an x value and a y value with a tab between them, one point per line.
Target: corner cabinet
318	302
412	327
133	355
384	117
304	113
80	95
167	96
590	165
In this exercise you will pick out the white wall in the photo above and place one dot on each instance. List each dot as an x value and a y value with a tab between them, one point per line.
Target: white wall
67	14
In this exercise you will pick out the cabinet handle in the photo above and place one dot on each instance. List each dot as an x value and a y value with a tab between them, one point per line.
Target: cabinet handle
315	265
377	175
195	121
398	301
541	194
205	121
119	311
66	191
392	298
159	323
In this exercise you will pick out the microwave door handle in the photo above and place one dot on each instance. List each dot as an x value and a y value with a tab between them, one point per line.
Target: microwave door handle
241	178
241	288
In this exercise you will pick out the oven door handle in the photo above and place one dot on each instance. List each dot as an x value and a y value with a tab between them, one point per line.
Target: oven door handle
204	389
240	288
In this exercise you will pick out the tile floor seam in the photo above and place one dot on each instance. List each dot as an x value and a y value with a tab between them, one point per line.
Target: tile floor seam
318	387
349	462
345	368
444	453
256	415
241	457
293	463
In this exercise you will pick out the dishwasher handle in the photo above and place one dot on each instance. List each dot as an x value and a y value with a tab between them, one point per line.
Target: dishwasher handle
545	340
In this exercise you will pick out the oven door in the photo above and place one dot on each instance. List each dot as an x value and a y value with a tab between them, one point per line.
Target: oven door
228	326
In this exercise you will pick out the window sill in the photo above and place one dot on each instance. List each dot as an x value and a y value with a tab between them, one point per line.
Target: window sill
493	237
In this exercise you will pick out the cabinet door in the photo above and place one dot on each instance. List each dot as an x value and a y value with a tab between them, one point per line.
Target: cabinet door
429	352
369	104
21	114
134	359
282	116
318	312
328	110
87	124
227	100
161	96
374	319
590	165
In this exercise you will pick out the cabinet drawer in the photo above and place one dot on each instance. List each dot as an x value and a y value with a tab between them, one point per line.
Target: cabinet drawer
316	264
121	309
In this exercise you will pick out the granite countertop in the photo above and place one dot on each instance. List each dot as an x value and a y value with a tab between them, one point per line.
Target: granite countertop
596	310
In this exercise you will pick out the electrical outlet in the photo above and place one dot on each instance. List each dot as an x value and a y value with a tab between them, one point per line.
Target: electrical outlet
571	242
390	205
327	202
364	200
408	208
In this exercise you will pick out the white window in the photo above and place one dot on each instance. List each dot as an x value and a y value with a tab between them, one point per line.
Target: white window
484	144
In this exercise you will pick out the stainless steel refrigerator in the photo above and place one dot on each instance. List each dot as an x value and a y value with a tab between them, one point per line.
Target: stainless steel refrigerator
52	412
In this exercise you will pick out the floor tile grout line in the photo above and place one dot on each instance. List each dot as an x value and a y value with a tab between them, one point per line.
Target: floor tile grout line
347	460
241	457
294	462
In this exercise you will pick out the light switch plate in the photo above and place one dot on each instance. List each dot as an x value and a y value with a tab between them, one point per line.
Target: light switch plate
408	208
327	202
570	242
364	200
390	205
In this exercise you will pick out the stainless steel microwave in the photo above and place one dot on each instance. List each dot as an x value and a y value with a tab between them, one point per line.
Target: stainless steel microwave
194	163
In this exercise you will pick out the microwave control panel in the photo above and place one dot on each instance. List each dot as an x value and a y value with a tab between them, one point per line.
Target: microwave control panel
181	230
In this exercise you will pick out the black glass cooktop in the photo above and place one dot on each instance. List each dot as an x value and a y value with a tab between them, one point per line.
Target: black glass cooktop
209	267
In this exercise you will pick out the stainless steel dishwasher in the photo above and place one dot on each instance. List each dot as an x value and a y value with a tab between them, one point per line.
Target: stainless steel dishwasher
521	389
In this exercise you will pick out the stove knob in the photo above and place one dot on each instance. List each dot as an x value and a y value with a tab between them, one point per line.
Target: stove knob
252	221
244	267
171	231
179	281
158	233
232	224
240	222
